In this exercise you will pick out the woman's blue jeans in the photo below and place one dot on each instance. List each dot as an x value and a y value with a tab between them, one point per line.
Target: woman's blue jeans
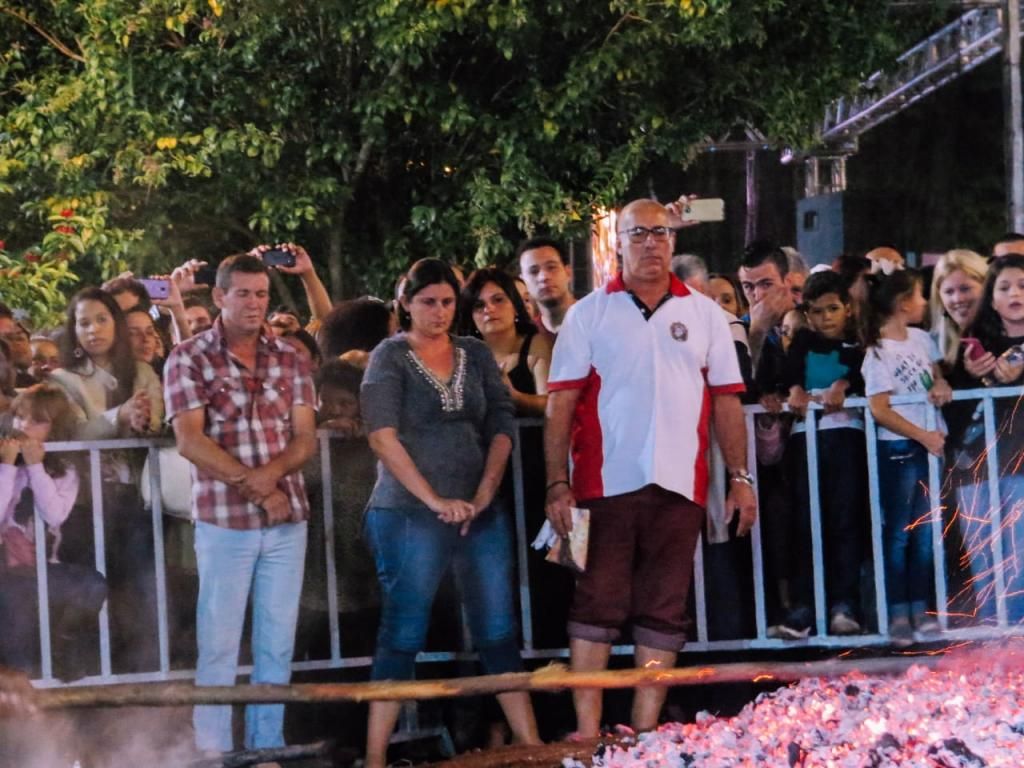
975	520
906	525
413	550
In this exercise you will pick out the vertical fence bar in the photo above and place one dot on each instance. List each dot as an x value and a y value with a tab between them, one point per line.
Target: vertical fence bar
995	512
327	486
935	522
96	488
713	520
756	552
699	593
874	497
43	594
519	498
159	559
814	495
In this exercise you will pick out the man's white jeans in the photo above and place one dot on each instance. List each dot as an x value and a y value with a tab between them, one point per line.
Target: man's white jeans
270	561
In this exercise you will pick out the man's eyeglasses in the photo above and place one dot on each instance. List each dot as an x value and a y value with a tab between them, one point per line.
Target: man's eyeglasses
638	235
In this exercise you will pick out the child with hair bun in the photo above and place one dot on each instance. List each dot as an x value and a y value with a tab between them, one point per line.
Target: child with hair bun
900	359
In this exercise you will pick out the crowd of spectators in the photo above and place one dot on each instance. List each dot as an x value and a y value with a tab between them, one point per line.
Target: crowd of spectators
859	326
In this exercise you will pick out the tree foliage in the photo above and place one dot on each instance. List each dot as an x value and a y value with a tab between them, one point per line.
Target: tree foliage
376	131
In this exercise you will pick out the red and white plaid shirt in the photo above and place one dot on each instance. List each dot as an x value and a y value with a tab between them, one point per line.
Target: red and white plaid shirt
248	414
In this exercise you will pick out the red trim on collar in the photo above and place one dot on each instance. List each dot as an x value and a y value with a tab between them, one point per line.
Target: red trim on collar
616	284
675	286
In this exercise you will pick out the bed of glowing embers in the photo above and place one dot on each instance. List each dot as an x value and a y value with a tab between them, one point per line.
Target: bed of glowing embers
953	718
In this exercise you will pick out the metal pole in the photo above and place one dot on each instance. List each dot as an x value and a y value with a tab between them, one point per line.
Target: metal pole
1013	130
750	228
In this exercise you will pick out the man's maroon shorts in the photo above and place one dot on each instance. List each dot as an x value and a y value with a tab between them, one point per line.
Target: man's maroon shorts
639	566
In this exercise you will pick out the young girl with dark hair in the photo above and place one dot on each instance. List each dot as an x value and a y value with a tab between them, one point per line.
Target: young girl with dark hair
898	360
33	482
114	395
994	356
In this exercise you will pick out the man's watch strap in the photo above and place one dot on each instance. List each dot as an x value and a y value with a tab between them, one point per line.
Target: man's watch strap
741	476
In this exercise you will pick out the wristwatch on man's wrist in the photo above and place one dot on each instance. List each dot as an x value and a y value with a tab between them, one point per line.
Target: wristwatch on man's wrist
741	476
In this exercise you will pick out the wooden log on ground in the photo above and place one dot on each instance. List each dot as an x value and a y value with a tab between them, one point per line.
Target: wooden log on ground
516	756
550	679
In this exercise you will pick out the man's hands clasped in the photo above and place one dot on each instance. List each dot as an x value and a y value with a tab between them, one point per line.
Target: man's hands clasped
259	486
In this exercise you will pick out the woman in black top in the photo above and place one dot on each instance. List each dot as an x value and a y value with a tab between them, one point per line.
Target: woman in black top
492	309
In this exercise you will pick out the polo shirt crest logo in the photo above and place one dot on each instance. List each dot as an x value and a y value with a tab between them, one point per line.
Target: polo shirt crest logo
678	331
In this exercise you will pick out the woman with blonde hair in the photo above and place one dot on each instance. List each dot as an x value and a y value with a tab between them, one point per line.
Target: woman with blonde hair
957	290
955	298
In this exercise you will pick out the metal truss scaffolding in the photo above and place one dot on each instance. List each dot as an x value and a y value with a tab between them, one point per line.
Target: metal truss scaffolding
955	49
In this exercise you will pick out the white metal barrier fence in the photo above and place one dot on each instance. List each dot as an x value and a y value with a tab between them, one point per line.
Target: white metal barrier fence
702	643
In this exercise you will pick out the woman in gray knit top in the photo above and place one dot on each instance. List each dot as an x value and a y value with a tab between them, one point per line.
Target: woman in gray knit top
441	421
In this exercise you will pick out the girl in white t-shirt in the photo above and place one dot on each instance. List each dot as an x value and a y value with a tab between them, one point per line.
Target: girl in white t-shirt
900	360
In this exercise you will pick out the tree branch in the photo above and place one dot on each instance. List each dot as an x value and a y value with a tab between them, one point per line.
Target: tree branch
24	19
625	17
363	159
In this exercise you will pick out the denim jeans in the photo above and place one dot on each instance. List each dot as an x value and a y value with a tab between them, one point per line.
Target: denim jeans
271	562
413	550
906	526
976	529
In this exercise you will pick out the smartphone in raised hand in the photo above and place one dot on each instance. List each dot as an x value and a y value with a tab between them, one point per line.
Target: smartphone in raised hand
704	209
278	257
157	287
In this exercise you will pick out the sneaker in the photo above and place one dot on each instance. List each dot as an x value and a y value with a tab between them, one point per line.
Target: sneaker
788	631
901	633
843	623
797	624
926	624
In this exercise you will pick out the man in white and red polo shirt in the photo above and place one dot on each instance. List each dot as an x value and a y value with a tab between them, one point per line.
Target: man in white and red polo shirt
642	368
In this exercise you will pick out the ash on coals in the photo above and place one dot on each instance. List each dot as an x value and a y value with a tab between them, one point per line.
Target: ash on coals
926	719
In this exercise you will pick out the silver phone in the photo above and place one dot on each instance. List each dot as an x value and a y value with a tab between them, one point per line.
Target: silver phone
709	209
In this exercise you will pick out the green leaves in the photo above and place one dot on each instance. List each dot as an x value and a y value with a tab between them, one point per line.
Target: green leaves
399	129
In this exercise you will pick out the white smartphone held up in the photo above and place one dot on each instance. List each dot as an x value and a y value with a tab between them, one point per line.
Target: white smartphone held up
706	209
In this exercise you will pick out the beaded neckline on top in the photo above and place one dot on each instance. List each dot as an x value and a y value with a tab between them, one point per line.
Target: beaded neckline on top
452	391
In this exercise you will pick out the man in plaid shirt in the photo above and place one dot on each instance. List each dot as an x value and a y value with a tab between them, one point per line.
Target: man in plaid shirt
242	402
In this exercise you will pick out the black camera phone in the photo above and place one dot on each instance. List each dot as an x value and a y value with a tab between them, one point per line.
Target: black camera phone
278	257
